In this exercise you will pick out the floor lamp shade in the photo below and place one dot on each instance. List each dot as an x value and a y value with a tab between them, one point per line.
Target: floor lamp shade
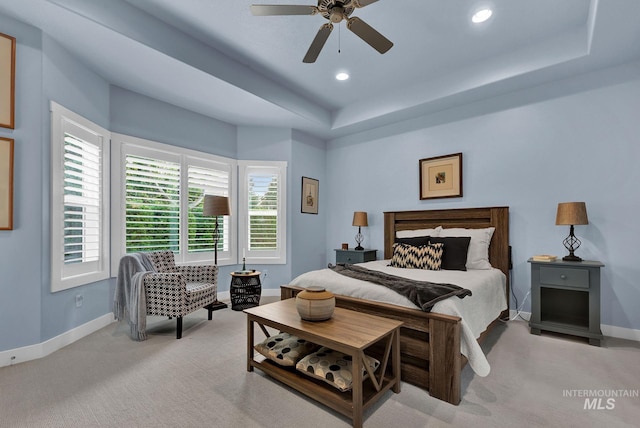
215	206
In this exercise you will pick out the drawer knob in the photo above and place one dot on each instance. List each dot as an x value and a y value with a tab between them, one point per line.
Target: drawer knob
563	276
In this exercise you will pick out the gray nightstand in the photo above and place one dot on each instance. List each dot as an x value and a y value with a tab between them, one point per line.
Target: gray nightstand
355	256
565	298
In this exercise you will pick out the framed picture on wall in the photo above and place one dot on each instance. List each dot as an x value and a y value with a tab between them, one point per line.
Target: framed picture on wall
310	188
441	177
6	183
7	80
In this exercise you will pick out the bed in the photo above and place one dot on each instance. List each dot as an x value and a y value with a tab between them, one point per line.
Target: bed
431	341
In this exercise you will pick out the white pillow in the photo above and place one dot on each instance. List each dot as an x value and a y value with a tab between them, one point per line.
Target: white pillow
418	232
478	254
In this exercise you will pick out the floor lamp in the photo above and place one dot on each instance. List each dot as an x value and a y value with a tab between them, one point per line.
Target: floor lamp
215	206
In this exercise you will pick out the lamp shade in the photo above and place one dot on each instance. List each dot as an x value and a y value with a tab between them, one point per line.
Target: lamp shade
571	213
215	206
360	219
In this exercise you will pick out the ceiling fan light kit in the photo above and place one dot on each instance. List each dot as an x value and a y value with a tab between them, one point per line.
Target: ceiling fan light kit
335	11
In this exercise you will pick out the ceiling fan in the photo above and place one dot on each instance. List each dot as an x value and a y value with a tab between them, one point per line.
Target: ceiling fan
335	11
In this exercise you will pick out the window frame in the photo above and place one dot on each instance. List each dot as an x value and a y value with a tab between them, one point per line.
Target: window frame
65	276
278	256
123	145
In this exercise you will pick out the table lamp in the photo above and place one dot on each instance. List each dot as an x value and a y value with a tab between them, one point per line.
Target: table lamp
571	213
360	219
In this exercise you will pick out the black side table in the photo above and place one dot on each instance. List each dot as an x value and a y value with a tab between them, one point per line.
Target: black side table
245	290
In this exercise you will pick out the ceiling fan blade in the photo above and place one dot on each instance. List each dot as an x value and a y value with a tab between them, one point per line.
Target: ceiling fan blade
369	35
282	9
362	3
318	43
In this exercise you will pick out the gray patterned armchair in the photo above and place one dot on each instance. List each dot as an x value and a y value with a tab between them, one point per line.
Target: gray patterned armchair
175	291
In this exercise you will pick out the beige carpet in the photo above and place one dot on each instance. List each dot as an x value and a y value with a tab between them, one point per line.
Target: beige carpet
108	380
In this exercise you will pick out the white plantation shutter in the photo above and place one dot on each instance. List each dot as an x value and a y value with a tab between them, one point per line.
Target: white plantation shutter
79	200
263	211
82	197
213	179
152	199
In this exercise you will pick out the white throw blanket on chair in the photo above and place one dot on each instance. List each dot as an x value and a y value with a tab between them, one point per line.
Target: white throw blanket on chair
130	295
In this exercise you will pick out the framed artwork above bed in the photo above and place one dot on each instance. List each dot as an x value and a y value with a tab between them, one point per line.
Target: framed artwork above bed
441	177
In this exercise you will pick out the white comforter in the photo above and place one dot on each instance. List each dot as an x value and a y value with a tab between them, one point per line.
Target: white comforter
477	311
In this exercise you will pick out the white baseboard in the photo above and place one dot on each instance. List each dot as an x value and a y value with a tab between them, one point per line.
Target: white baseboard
33	352
621	332
607	330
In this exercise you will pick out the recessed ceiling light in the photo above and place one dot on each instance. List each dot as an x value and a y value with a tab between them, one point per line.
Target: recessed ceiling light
342	76
481	16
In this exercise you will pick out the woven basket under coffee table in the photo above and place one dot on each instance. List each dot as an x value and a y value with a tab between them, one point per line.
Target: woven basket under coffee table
245	289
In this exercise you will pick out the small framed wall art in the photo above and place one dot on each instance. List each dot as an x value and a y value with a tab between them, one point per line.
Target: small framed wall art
6	183
441	177
7	80
309	195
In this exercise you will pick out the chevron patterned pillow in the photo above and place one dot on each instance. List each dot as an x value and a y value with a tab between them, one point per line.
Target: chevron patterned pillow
422	257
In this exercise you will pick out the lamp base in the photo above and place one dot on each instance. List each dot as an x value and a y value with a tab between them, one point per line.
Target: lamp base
571	258
218	305
359	248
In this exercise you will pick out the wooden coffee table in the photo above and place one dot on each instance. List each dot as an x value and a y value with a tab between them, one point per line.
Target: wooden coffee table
347	331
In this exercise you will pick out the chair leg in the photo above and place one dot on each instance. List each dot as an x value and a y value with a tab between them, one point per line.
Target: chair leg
179	328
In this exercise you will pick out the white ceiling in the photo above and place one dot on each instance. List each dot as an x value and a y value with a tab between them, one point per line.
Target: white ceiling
214	57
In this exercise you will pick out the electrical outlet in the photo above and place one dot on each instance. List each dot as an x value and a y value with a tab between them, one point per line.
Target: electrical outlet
266	272
79	300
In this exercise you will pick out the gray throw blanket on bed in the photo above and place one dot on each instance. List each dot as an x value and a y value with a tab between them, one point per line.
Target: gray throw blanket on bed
130	301
423	294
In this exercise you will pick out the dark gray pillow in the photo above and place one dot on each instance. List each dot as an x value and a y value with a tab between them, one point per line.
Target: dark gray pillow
416	241
455	252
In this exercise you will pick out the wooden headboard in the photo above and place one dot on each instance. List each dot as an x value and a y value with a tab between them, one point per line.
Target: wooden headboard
476	218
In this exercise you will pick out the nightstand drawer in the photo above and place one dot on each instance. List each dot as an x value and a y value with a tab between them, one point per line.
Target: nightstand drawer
577	278
355	256
348	257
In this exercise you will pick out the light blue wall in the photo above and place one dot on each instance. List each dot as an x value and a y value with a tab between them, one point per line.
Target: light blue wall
21	249
578	147
143	117
69	83
309	245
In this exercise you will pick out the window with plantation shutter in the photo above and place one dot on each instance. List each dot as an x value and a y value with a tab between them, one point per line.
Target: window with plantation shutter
79	201
263	211
152	197
161	189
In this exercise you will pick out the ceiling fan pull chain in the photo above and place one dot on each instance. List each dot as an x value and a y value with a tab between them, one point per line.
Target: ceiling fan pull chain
339	37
